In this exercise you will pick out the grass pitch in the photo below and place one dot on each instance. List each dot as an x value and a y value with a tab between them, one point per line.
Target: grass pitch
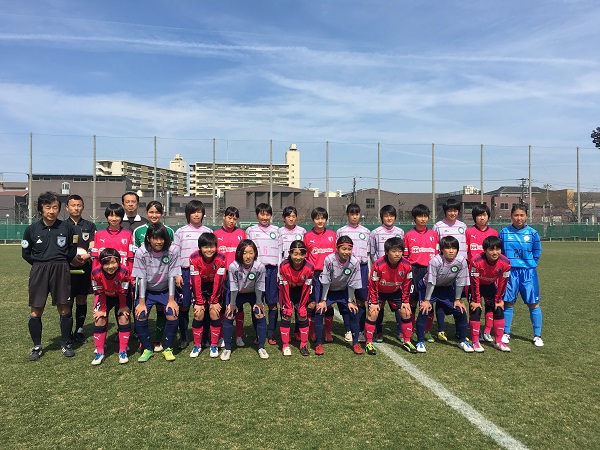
545	397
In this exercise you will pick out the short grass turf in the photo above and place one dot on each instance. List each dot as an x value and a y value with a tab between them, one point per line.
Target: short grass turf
545	397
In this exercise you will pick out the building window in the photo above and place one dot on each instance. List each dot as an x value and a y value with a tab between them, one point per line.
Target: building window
370	203
65	188
504	206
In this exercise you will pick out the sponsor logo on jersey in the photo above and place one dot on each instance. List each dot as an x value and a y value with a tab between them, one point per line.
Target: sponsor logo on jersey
316	251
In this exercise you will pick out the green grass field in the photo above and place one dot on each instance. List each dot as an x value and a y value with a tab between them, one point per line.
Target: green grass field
544	397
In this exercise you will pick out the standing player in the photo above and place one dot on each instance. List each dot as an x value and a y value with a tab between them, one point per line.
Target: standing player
319	242
266	238
377	241
130	202
229	236
489	277
390	280
49	245
450	226
295	282
114	236
447	277
521	244
111	286
185	243
155	267
208	273
81	284
360	236
339	280
246	284
420	245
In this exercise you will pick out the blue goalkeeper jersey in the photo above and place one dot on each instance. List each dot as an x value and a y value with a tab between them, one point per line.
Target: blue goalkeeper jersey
521	246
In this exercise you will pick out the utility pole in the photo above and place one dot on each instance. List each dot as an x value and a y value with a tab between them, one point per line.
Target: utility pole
522	199
354	189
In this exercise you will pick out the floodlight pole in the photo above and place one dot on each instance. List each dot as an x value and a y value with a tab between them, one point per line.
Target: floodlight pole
30	187
530	199
94	217
378	176
155	170
578	191
214	182
481	173
433	206
327	177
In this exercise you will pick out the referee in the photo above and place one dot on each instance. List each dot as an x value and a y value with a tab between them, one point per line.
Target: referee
49	245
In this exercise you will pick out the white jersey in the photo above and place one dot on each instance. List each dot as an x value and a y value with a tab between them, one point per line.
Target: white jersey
360	239
156	267
186	242
246	279
287	236
378	237
441	272
267	243
458	230
340	275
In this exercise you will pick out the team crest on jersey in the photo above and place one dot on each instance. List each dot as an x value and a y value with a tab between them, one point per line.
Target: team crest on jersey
273	235
362	236
397	235
165	259
401	273
251	276
431	238
85	236
526	238
298	237
24	243
454	269
61	241
498	270
347	271
239	238
123	241
461	230
330	238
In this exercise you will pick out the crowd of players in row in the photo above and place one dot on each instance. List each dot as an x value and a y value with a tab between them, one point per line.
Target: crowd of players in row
135	264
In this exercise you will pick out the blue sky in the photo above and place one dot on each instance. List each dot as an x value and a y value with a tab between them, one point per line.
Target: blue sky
457	73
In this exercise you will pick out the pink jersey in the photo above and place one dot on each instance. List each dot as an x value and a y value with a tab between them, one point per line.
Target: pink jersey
340	275
443	228
318	246
378	237
475	239
420	246
227	242
121	241
287	236
104	286
186	242
203	273
267	243
360	239
483	273
294	285
385	279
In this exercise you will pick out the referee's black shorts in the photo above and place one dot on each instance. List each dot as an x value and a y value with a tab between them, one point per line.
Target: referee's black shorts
51	278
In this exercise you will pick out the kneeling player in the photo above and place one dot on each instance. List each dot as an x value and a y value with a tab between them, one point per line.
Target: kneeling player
340	277
447	276
489	277
391	280
295	283
110	283
207	273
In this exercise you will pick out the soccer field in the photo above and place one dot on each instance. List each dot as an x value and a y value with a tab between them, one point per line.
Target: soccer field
541	397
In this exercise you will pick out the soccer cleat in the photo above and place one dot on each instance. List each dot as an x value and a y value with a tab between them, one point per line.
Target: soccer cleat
221	343
195	351
262	353
146	355
478	348
272	341
168	354
442	336
214	351
409	347
379	338
158	346
313	337
506	338
328	337
67	350
357	349
429	337
348	336
297	336
466	347
287	351
361	337
370	349
304	351
183	345
537	341
225	355
98	359
502	346
36	353
319	350
123	359
240	342
79	337
421	347
488	337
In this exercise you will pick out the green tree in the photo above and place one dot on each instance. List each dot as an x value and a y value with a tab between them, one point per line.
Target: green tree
596	137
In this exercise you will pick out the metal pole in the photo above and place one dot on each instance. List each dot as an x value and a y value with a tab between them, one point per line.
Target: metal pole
529	190
30	218
271	172
327	177
155	170
378	176
94	217
481	173
433	205
578	191
214	182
